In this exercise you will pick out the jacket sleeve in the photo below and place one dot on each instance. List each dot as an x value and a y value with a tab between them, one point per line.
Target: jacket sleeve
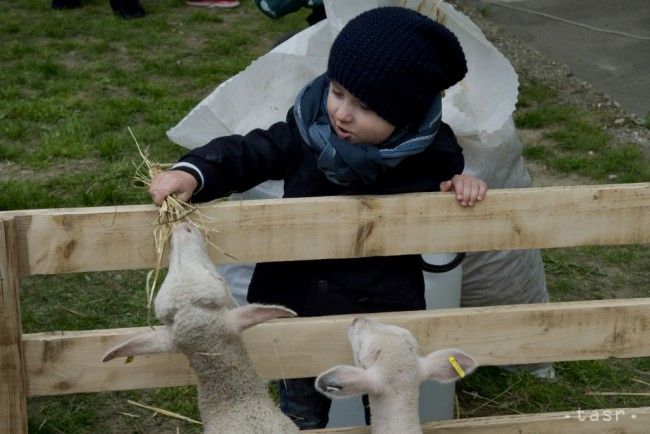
237	163
450	159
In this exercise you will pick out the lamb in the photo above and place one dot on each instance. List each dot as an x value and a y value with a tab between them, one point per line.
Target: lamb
192	303
390	371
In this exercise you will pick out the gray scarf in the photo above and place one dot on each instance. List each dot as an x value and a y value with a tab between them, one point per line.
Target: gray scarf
353	164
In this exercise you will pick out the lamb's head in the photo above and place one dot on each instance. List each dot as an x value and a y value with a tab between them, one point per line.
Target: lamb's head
193	303
192	280
387	361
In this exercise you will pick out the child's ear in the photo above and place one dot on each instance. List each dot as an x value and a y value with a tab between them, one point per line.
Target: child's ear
345	381
153	342
437	366
253	314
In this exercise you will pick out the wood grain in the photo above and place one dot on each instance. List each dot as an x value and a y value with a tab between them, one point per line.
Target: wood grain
118	238
69	362
13	409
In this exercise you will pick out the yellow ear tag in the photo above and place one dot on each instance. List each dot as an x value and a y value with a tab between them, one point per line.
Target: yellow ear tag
456	366
128	360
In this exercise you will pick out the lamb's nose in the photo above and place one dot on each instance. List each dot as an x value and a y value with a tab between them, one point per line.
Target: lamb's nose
360	322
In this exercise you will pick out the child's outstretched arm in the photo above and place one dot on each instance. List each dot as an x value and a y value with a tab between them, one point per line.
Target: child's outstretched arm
468	189
230	164
172	182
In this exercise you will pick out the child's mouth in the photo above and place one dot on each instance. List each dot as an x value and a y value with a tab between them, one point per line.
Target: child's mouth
342	132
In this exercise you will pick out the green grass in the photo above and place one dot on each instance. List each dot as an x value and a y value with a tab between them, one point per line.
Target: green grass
596	272
532	93
112	413
493	391
71	82
575	142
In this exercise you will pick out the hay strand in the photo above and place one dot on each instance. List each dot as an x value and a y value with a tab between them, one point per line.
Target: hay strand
164	412
645	383
618	393
277	357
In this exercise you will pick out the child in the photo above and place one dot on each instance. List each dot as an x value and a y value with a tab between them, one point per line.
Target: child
369	125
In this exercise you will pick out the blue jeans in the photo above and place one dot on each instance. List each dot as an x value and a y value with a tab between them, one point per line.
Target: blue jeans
303	404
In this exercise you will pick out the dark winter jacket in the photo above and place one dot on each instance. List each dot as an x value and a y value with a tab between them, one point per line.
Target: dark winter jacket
333	286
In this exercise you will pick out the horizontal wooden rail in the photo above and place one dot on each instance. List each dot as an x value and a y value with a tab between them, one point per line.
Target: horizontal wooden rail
610	420
117	238
69	362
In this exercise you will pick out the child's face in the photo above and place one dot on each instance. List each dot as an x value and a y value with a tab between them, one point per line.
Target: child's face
353	121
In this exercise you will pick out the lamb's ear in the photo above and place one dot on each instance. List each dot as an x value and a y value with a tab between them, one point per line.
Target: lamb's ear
252	314
153	342
344	381
437	366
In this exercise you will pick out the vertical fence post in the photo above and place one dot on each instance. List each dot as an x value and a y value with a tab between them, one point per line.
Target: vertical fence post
13	405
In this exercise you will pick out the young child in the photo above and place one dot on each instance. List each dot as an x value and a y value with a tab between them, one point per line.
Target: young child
370	125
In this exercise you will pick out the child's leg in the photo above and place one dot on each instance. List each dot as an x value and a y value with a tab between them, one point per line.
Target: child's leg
303	404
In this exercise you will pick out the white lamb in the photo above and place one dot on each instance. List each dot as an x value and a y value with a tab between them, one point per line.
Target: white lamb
390	371
192	303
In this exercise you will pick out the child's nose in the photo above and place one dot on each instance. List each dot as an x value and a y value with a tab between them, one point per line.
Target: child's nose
344	113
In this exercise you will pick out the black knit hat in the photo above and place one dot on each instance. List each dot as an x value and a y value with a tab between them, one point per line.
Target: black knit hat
396	61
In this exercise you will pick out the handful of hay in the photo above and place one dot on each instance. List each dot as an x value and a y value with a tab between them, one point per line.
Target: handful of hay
171	212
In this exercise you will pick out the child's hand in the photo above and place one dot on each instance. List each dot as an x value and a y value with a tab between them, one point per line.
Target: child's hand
468	189
173	181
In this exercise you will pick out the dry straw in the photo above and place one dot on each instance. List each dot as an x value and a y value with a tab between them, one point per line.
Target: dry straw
171	212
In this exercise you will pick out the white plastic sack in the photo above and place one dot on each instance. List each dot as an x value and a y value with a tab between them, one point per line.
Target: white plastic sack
263	92
479	110
507	276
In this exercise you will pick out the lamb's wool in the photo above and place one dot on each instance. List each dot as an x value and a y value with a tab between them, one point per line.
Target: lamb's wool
192	303
390	371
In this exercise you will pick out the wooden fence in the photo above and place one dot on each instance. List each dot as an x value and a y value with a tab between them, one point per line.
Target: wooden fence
58	241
